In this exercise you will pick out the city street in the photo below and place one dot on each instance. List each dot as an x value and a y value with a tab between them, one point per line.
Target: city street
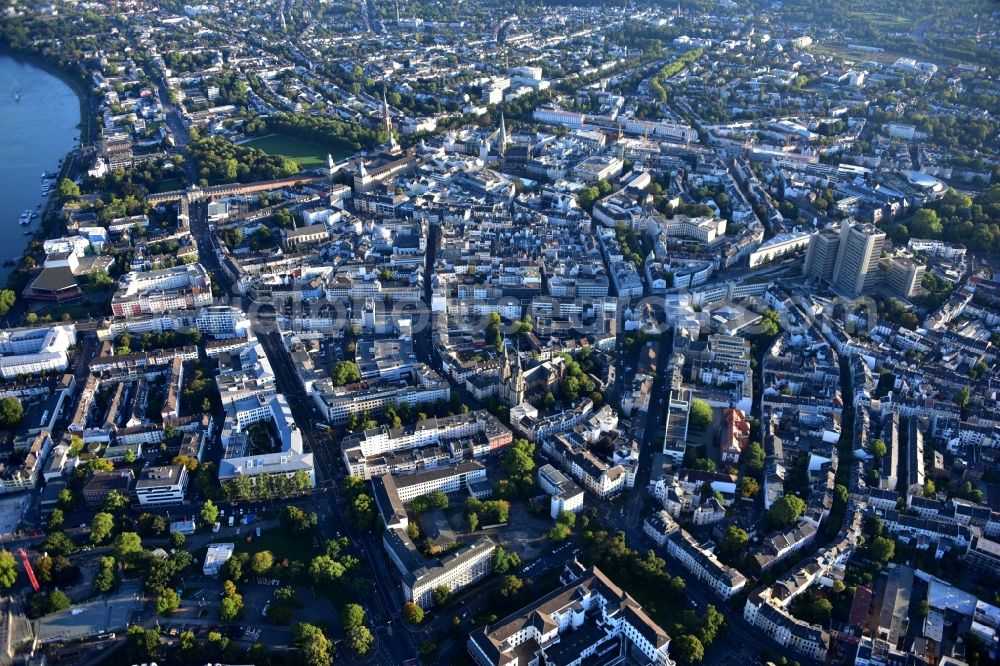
384	611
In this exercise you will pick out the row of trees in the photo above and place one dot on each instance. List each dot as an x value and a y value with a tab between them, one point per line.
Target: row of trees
268	485
357	635
361	511
395	416
221	161
325	569
149	341
144	645
753	469
669	70
338	135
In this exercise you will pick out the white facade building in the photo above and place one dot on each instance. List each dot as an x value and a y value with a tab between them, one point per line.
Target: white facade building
27	474
725	581
616	624
564	493
450	479
76	245
162	486
217	555
456	571
32	351
292	457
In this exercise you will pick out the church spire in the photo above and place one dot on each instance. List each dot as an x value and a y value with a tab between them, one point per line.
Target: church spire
512	380
503	135
519	382
387	118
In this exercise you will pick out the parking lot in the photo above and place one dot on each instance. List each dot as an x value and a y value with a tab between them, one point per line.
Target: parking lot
556	558
11	510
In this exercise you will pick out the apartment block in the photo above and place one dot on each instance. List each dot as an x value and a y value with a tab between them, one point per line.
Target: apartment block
162	486
588	620
460	569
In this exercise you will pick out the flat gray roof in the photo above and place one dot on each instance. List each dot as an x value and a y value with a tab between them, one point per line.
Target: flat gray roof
89	619
436	473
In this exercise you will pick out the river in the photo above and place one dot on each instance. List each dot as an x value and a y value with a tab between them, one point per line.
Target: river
39	117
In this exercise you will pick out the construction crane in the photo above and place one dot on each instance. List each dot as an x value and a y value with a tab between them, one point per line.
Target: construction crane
27	568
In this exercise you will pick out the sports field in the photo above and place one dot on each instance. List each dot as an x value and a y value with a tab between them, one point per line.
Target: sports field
306	154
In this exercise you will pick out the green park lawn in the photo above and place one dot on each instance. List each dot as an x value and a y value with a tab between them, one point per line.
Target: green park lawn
306	154
280	544
169	185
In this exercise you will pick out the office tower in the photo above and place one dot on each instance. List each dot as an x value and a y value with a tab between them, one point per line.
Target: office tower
903	275
856	270
821	255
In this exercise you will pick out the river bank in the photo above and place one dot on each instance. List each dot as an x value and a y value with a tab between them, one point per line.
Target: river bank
84	94
40	131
